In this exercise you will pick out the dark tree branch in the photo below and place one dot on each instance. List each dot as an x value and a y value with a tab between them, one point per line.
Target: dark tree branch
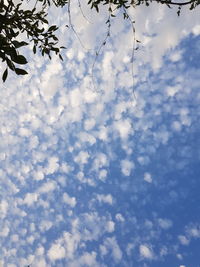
176	3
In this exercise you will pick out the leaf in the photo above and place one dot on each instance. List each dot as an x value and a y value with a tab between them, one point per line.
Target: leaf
10	64
20	71
19	59
53	28
55	38
34	49
60	57
19	44
44	20
5	74
96	7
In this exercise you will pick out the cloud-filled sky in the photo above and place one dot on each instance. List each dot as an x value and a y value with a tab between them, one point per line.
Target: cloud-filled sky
100	157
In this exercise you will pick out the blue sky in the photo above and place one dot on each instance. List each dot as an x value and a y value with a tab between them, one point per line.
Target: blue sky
92	175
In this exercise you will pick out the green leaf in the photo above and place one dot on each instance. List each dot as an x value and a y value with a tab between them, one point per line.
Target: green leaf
20	71
5	74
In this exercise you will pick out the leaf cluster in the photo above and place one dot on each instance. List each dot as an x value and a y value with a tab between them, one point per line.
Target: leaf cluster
15	21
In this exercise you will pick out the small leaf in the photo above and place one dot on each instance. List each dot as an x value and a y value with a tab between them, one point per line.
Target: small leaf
20	59
10	64
5	74
20	71
19	44
55	38
97	8
44	20
60	57
34	49
53	28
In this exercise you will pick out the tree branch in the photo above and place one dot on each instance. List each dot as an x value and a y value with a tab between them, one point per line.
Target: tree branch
175	3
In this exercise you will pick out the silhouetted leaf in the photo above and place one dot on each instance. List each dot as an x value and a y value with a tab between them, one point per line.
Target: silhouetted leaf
20	71
19	44
34	49
19	59
53	28
5	74
60	57
10	64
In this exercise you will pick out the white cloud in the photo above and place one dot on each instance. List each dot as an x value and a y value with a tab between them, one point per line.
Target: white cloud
146	252
88	259
71	242
124	128
47	187
147	177
112	244
126	167
56	252
183	240
30	198
59	133
85	137
5	231
100	161
71	201
45	225
108	199
52	165
82	157
119	217
3	208
89	124
196	29
75	98
110	226
165	223
103	175
38	175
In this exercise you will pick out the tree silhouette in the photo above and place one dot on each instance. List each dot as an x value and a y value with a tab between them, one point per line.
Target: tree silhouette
15	21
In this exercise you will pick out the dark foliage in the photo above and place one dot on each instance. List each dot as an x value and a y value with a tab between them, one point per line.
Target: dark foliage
15	21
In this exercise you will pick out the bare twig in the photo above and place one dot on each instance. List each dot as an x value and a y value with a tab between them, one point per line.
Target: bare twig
103	43
73	29
134	48
80	6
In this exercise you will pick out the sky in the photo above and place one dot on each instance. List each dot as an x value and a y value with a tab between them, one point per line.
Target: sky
99	155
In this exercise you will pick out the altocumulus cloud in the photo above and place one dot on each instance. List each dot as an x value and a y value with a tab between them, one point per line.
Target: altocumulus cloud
90	173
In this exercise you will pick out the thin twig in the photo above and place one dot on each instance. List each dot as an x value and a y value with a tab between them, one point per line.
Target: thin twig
103	43
79	5
73	29
134	48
